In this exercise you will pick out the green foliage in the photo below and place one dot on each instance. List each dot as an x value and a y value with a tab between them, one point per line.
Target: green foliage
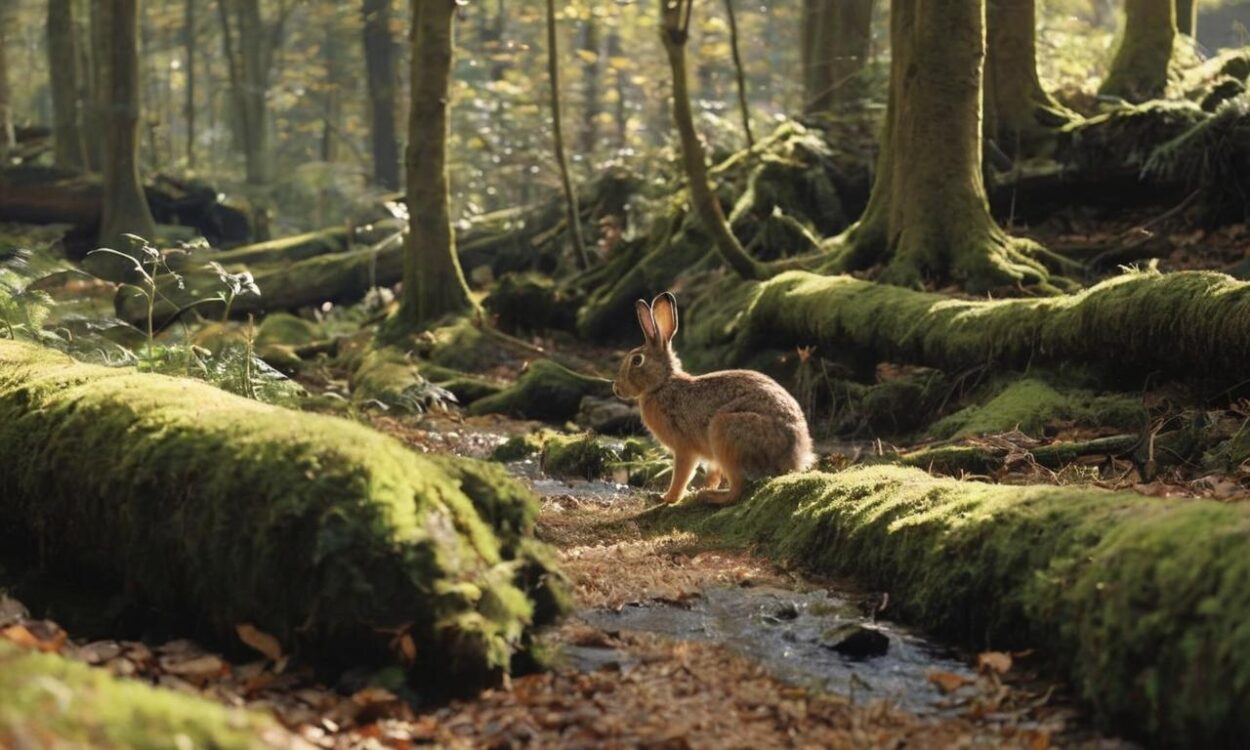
1140	602
1213	159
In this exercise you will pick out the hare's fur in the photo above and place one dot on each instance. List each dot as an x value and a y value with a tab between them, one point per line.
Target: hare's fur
740	421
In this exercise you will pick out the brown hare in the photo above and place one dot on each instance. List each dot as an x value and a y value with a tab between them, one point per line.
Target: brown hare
741	422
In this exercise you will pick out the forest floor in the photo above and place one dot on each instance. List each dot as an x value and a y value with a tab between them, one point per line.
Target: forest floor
675	643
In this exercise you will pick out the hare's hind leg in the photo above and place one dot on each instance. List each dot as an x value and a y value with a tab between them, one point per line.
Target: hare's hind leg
712	476
732	436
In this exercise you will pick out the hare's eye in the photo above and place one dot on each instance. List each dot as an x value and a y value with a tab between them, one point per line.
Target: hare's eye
636	360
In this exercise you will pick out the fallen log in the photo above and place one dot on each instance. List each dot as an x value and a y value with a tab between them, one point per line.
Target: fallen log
1139	602
64	703
330	536
49	195
545	391
1185	323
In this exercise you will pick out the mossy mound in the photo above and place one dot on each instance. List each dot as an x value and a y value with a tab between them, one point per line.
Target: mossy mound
577	456
285	329
1142	603
323	532
388	376
48	701
545	391
1031	404
519	447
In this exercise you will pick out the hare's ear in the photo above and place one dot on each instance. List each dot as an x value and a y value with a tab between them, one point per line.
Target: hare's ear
664	307
647	321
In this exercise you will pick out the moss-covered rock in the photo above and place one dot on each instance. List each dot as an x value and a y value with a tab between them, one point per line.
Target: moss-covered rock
545	391
1031	404
577	456
519	447
530	303
48	701
1142	603
321	531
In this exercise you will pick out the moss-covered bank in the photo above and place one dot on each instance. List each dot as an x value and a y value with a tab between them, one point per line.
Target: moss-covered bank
1143	603
1179	323
48	701
323	532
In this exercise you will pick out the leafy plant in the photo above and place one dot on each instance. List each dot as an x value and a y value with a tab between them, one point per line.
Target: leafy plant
236	284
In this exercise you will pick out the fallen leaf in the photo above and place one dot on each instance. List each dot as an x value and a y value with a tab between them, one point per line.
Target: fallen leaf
994	661
200	666
36	634
260	640
948	682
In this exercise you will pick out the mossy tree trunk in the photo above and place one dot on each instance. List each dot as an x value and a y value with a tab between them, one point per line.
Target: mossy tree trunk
927	217
249	44
674	31
592	100
125	209
1142	63
1187	17
69	150
557	134
1019	115
434	284
190	43
382	81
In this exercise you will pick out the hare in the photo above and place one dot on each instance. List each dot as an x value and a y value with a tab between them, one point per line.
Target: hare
741	421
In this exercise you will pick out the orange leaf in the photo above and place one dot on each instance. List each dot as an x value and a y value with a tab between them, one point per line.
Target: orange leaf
994	661
948	682
260	640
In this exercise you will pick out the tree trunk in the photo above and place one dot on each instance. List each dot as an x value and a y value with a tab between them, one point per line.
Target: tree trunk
1020	116
1141	66
674	31
927	216
557	130
621	113
382	81
591	65
837	35
1187	17
434	285
331	53
189	44
125	209
739	75
67	135
8	138
249	44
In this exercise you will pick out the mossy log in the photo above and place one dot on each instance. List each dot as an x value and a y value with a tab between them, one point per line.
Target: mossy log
49	701
1187	323
1143	604
332	537
546	391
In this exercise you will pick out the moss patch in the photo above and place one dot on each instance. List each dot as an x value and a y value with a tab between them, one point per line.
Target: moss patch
48	699
1030	404
1143	603
545	391
321	531
577	456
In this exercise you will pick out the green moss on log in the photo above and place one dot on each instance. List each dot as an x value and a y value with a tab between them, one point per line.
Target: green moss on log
546	391
1031	404
48	701
1142	603
1177	323
318	530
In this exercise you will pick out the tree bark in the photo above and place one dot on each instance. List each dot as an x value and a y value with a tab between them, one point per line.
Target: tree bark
249	44
674	31
739	75
434	284
557	131
591	99
381	81
1141	66
8	137
331	54
1187	17
189	45
1019	115
927	216
837	35
125	209
69	151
